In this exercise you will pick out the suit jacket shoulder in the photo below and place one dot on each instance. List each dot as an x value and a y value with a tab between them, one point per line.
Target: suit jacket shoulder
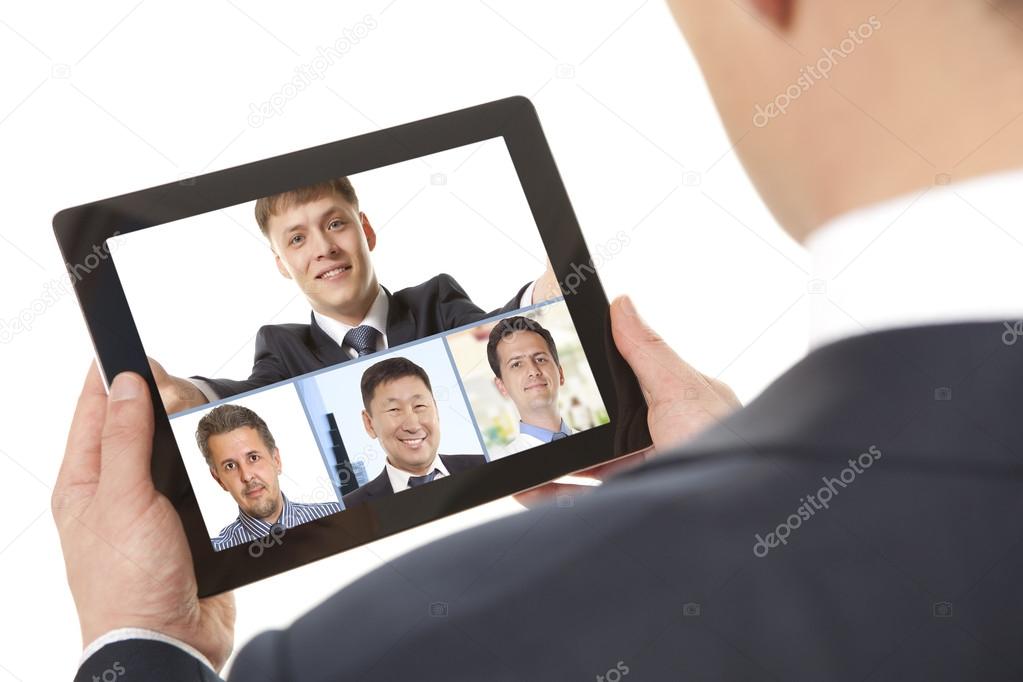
378	487
437	305
456	463
849	586
284	351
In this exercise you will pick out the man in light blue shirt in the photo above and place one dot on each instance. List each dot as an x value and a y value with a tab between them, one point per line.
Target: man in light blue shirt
527	371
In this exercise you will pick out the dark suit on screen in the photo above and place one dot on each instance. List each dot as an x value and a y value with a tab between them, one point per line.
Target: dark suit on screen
912	573
284	351
381	485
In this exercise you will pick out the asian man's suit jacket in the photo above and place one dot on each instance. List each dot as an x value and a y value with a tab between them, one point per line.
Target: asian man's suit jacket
381	485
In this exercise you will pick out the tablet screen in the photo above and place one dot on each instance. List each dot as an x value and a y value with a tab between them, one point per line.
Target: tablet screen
358	338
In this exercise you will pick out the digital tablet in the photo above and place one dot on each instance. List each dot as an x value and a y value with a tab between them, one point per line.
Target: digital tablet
369	334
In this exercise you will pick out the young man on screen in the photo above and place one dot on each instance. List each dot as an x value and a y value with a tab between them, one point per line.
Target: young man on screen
527	371
244	459
323	242
401	413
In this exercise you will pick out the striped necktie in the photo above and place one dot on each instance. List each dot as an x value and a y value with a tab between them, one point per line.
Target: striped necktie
416	481
363	339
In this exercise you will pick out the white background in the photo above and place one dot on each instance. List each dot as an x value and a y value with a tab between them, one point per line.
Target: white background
460	212
303	478
101	99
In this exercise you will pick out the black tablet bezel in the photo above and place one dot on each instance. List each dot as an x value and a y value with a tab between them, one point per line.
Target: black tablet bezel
79	230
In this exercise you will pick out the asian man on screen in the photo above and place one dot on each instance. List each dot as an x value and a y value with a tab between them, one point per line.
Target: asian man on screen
323	242
401	413
527	371
244	459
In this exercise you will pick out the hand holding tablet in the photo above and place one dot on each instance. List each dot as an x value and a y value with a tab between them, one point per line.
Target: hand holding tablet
449	341
145	579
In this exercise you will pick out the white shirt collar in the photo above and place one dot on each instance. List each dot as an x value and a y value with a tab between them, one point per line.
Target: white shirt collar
399	479
948	254
376	317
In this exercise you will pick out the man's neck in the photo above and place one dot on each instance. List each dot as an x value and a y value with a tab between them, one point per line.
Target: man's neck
925	270
355	312
547	418
421	471
894	184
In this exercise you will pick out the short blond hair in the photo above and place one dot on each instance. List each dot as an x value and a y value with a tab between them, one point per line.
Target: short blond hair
272	205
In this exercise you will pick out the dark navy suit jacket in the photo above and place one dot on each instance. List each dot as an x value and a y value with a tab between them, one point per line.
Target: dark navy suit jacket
381	485
284	351
912	571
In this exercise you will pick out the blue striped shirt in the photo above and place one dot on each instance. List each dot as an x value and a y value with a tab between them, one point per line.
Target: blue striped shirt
248	529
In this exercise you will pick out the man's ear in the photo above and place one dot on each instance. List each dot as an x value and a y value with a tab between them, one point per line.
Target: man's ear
217	479
501	388
778	12
371	235
276	457
280	266
561	373
367	423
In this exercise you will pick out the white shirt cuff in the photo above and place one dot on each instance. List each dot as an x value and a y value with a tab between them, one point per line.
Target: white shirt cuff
527	296
122	634
205	389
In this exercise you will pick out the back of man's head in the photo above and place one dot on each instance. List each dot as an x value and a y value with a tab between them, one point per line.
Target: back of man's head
836	104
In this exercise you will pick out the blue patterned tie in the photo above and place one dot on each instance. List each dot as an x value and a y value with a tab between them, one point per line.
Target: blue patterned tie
363	339
416	481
